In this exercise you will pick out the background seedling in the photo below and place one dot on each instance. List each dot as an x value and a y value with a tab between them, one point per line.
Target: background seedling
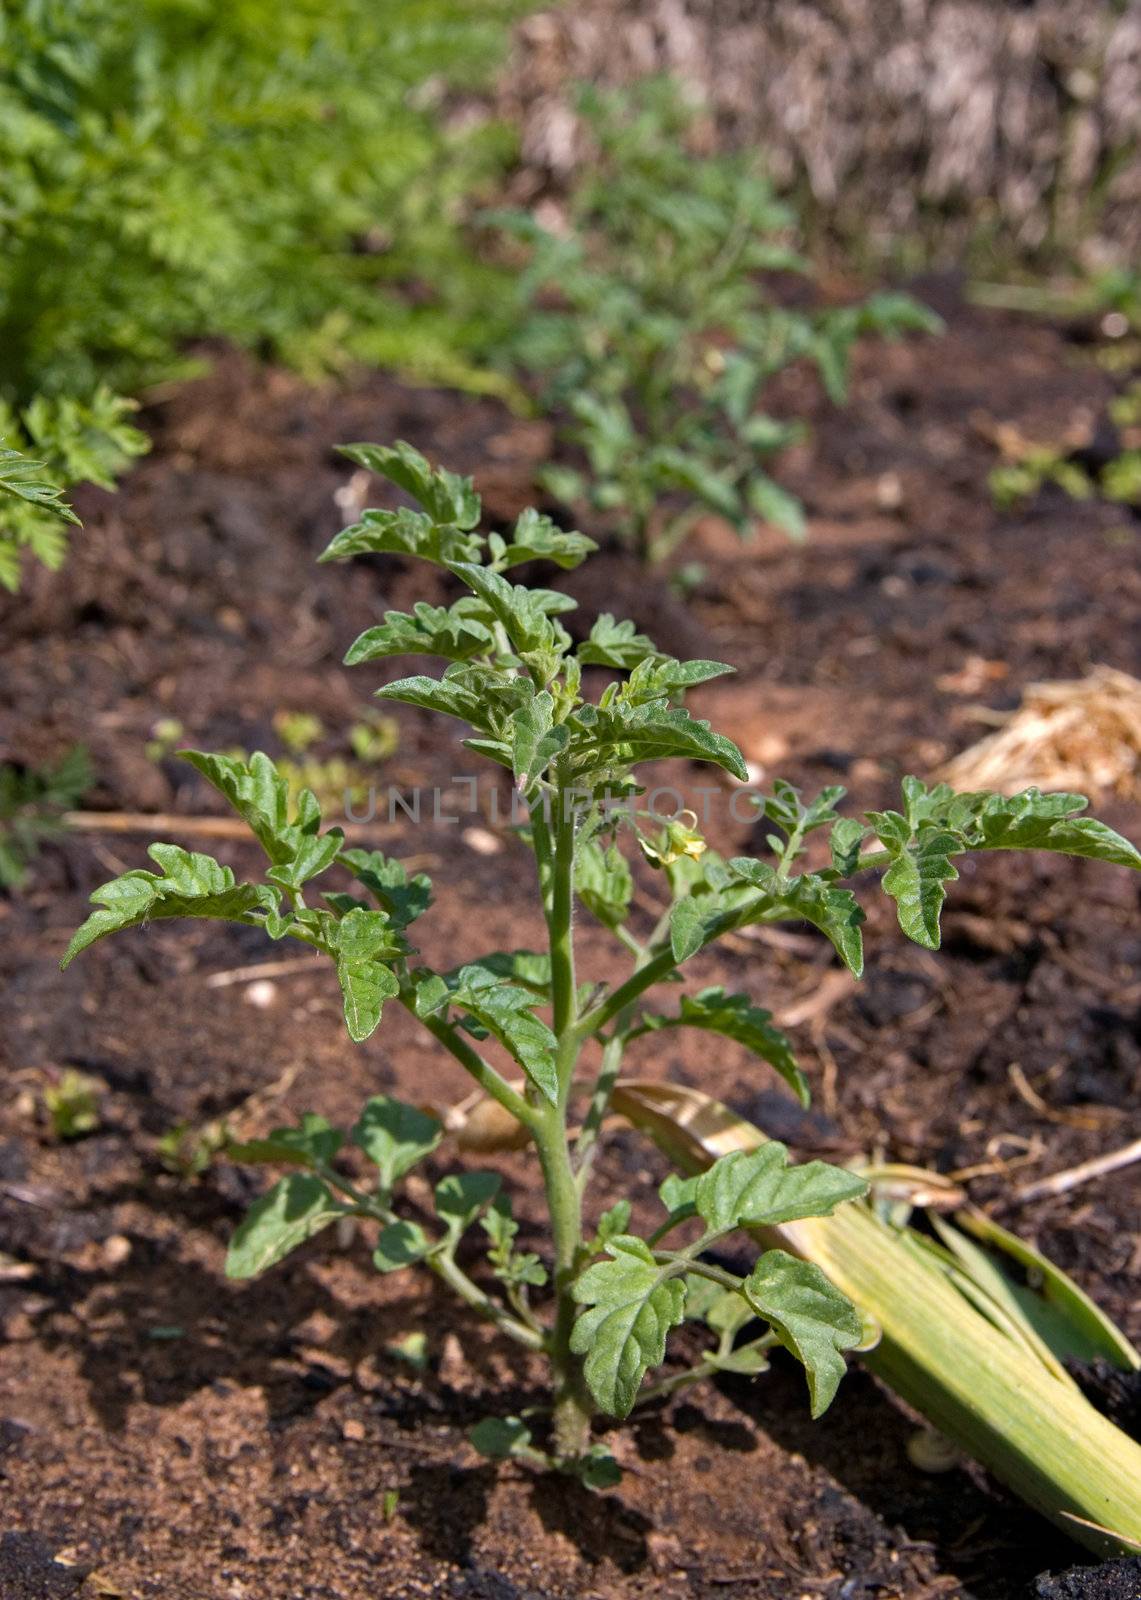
648	325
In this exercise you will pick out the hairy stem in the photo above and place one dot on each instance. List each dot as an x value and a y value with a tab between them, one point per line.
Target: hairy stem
560	923
442	1264
599	1104
483	1073
571	1402
458	1281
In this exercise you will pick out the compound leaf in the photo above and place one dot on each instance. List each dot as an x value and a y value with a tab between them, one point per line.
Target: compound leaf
190	885
25	479
622	1333
1032	820
836	912
448	631
387	881
734	1016
402	532
536	537
615	644
445	496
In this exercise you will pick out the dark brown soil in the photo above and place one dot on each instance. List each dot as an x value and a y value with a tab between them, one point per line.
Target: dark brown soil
178	1436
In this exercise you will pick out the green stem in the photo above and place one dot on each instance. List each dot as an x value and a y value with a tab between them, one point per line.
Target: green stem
659	966
561	924
679	1380
587	1143
662	962
458	1281
442	1264
483	1073
571	1402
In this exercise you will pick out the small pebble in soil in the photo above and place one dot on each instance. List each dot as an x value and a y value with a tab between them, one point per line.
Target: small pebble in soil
261	994
932	1452
482	841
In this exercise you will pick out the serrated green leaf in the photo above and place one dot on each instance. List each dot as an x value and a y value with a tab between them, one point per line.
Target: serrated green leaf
810	1318
387	880
462	1195
444	695
735	1017
915	880
524	616
759	1188
510	1266
506	1012
400	1244
259	794
190	885
361	944
1036	821
448	631
27	480
610	1224
365	986
296	1208
836	912
480	696
652	731
690	923
845	841
536	537
445	496
395	1136
531	969
787	809
615	644
402	532
535	740
603	882
313	1144
622	1334
661	677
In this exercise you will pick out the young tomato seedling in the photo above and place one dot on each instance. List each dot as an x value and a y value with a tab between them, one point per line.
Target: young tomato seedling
649	327
600	1301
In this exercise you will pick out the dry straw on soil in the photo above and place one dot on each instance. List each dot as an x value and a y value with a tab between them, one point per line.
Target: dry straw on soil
1082	735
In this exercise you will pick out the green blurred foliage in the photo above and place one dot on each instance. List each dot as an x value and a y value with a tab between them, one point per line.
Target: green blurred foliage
283	176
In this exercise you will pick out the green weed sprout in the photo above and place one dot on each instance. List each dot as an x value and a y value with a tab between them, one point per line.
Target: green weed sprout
597	1300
